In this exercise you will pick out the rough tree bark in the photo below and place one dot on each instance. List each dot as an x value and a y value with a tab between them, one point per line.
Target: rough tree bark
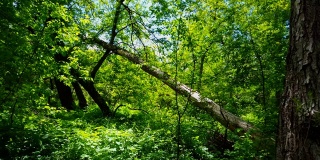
226	118
299	119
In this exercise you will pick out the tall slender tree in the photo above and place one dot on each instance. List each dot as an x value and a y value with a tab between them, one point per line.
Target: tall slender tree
299	111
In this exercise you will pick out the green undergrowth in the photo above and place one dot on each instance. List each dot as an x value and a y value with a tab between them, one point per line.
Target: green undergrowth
58	134
49	133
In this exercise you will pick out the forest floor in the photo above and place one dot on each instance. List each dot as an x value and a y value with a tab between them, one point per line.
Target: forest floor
51	133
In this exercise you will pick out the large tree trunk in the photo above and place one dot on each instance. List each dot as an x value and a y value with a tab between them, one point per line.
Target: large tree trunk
299	130
65	94
226	118
82	100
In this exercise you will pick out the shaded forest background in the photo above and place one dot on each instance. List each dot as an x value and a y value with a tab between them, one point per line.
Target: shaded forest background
74	85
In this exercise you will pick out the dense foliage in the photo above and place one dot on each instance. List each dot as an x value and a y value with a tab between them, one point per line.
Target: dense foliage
230	51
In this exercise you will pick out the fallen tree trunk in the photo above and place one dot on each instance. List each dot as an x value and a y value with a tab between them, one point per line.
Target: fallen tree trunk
226	118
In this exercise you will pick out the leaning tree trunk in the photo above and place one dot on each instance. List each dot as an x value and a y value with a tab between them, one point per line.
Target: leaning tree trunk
82	99
95	95
299	119
226	118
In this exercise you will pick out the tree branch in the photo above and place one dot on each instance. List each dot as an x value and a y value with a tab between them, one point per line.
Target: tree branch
113	35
